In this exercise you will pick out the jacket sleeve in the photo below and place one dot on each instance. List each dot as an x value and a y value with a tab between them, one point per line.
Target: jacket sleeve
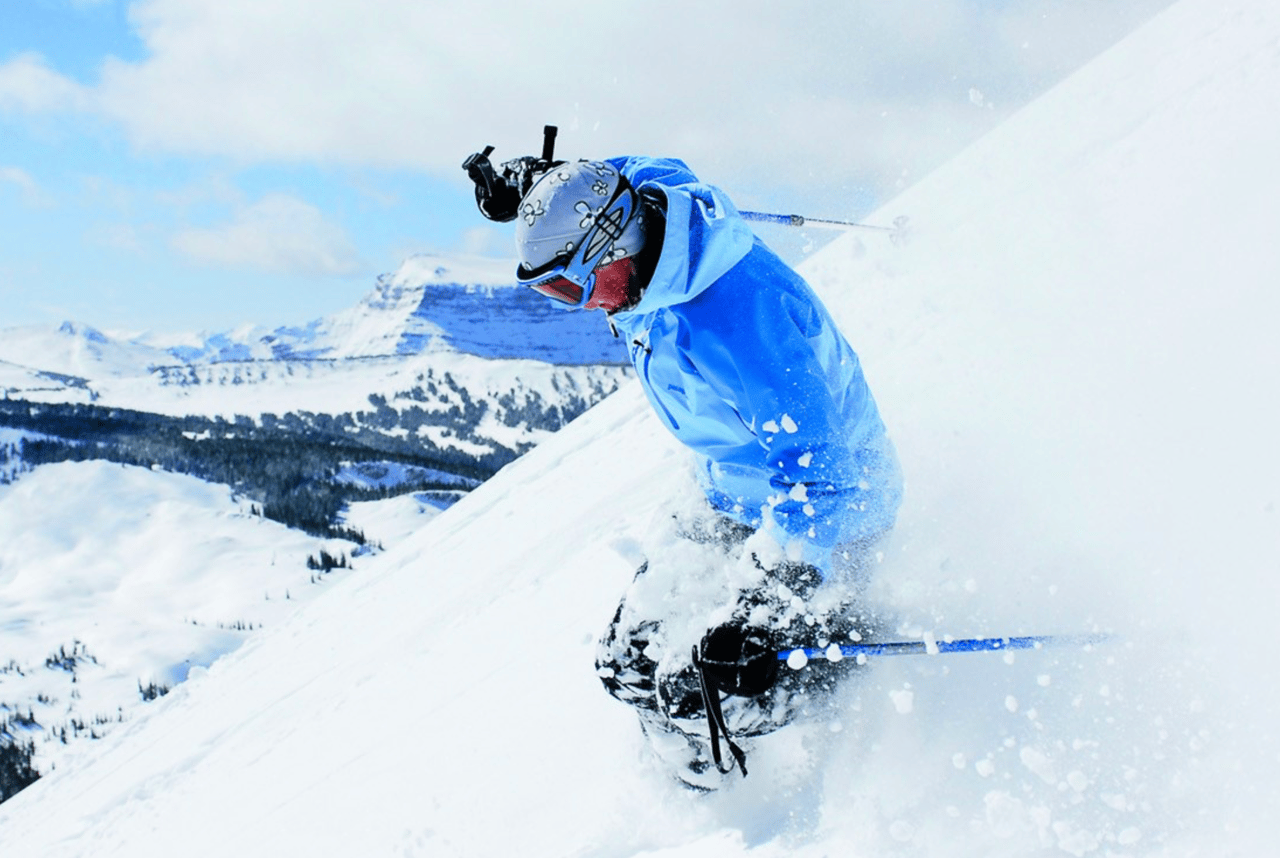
775	356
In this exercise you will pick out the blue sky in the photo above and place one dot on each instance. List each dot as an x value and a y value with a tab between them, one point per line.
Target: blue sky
173	165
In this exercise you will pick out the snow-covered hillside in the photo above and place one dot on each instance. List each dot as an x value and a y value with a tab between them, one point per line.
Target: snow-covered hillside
117	580
1075	356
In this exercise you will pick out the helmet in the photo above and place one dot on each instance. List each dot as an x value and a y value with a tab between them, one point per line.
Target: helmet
576	218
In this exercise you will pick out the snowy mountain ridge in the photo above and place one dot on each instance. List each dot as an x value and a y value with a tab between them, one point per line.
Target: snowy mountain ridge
438	337
431	304
1075	355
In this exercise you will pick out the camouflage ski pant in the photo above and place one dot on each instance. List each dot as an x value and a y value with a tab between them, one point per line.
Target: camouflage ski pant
643	658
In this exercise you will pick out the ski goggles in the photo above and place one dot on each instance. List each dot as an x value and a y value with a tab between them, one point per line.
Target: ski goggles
570	277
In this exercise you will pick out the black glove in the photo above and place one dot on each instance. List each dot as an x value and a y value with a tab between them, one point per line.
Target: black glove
496	198
800	578
739	659
498	195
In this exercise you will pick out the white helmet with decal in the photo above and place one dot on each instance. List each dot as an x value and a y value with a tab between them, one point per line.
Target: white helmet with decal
586	201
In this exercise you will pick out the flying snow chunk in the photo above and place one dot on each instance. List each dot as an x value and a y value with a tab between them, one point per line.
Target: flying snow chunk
931	643
1129	836
1039	764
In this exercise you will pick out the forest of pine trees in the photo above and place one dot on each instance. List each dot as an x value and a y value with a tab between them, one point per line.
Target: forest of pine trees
286	463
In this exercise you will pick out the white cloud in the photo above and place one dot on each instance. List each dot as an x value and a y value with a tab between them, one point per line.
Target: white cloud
28	84
19	177
278	234
808	96
31	191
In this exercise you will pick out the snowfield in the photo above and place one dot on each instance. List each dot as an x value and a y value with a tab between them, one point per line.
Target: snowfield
1075	354
131	578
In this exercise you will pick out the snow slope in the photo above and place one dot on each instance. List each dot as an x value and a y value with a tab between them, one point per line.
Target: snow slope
130	578
1075	356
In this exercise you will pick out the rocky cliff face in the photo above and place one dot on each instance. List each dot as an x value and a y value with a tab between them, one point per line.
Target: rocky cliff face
433	304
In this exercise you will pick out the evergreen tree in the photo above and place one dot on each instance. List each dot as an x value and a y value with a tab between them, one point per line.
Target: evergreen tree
16	771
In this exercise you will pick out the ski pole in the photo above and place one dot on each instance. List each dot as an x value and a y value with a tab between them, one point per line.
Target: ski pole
838	653
895	232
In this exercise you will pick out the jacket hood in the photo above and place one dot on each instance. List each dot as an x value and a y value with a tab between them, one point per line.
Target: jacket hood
704	236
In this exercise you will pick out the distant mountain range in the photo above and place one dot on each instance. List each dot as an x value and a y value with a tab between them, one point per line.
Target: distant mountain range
430	304
446	369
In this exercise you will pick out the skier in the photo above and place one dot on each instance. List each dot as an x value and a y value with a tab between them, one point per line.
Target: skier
743	363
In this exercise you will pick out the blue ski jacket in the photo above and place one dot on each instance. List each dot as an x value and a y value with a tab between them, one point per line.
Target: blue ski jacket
743	363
